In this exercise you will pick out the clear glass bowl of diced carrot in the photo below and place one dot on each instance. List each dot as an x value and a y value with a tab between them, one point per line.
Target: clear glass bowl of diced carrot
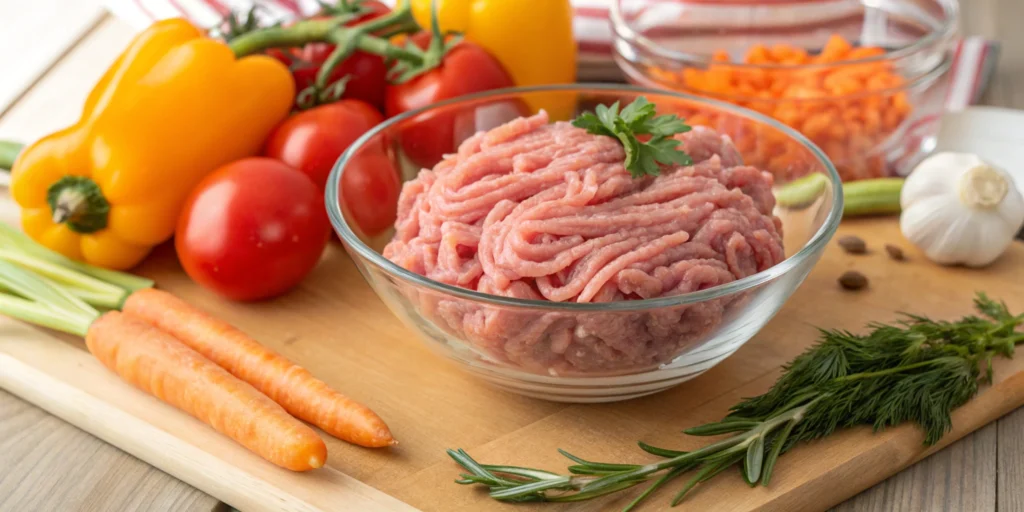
865	80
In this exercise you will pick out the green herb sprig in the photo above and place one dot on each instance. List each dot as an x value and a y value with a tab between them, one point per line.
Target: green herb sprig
915	370
638	119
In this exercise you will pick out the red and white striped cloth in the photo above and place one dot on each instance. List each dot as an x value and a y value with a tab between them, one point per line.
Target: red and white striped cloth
973	65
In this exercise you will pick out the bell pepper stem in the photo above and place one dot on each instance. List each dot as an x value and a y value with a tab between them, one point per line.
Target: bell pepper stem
78	202
8	153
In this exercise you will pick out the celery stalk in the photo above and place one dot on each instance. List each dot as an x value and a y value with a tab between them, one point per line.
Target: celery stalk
99	300
44	292
872	197
63	275
802	191
40	314
13	239
863	197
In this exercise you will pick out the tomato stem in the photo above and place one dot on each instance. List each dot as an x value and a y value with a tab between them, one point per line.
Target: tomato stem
332	30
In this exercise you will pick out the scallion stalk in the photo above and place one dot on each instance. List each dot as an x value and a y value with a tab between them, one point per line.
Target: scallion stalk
11	238
40	314
36	299
85	287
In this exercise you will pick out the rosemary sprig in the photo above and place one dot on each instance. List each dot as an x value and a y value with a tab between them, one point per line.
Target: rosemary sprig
639	119
915	370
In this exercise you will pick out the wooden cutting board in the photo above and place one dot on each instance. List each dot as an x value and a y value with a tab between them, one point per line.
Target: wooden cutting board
338	329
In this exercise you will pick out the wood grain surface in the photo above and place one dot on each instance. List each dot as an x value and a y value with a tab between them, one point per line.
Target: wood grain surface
980	473
47	464
333	324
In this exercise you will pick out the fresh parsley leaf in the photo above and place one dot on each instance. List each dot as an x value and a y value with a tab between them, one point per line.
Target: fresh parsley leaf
608	115
639	118
666	126
664	151
589	122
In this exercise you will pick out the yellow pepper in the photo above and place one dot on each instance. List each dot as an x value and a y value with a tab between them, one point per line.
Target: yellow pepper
175	106
532	39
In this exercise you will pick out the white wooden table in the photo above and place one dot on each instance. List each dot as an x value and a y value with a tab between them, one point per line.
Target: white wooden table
52	51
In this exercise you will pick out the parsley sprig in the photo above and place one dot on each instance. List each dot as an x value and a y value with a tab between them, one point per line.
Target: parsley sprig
639	118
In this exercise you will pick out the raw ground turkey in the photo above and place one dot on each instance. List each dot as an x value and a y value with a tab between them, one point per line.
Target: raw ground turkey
548	212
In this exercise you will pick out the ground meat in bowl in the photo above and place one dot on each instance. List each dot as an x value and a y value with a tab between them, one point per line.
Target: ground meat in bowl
548	212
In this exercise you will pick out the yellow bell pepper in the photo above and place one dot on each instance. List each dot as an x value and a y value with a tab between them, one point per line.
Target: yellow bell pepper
532	39
174	106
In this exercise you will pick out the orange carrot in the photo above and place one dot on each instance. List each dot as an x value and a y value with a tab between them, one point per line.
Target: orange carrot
160	365
301	394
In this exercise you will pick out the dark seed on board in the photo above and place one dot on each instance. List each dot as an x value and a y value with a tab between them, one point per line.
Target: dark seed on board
894	252
853	244
853	280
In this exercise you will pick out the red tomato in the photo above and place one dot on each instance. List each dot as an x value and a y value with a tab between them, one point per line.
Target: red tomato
312	140
465	69
252	229
367	72
367	75
369	191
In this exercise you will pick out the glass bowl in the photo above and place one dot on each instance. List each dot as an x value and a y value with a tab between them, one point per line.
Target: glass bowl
865	80
569	351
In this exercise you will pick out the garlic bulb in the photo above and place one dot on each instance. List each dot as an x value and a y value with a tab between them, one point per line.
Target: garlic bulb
960	210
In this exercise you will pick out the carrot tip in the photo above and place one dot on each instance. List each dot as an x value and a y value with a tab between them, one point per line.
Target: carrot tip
315	462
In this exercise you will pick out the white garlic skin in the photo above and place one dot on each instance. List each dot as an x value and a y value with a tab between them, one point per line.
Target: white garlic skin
960	210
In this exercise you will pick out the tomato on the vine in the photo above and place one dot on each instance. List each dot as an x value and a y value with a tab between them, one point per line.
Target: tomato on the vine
252	229
312	140
367	72
369	192
465	69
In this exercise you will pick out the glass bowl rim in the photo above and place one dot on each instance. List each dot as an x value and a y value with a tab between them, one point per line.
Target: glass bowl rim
623	31
634	73
945	65
812	246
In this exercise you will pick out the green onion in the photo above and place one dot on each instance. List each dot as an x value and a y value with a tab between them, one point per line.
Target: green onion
87	288
38	300
40	314
14	239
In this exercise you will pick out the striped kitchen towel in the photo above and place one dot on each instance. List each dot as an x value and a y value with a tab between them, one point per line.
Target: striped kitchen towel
973	65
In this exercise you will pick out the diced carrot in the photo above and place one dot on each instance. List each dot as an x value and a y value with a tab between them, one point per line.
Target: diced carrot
835	49
757	54
891	119
780	52
863	52
900	103
692	76
829	103
292	386
159	364
816	126
872	121
840	84
882	82
717	79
